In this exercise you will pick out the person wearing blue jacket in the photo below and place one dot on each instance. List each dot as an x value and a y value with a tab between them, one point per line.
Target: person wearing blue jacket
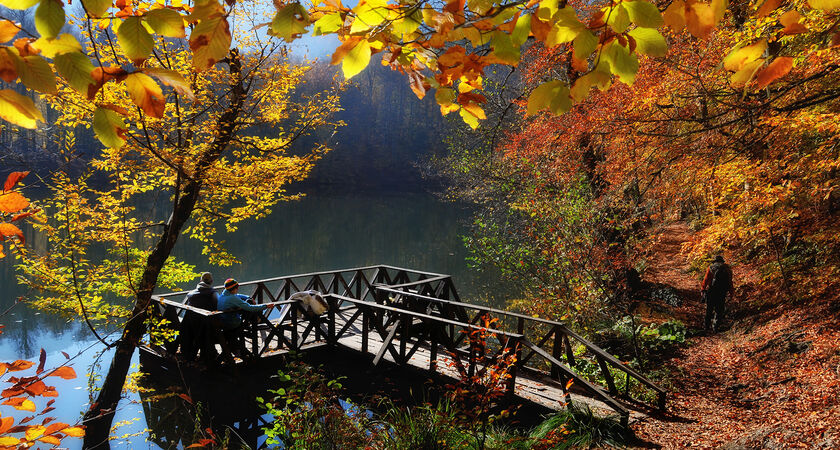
233	303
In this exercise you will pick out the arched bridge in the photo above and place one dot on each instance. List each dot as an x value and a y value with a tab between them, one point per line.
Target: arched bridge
416	318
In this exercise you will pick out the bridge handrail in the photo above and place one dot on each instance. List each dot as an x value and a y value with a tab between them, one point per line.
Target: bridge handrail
321	273
444	320
204	312
585	342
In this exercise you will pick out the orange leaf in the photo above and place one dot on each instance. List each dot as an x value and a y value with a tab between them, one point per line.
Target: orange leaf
777	69
700	20
74	431
5	424
12	202
37	388
20	364
570	383
9	230
65	372
13	179
344	49
186	398
790	20
50	440
767	7
17	217
58	426
21	404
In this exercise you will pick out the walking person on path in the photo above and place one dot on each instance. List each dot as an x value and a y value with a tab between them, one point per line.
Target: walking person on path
716	285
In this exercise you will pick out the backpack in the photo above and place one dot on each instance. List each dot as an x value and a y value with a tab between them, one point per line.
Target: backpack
721	278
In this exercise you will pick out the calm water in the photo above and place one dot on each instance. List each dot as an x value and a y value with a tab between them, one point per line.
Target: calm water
321	232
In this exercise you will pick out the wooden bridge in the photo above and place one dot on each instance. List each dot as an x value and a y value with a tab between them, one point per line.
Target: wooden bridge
416	318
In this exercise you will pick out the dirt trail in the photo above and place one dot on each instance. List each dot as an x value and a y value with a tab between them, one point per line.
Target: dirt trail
771	381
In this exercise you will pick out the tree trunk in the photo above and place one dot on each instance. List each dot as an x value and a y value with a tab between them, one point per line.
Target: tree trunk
100	415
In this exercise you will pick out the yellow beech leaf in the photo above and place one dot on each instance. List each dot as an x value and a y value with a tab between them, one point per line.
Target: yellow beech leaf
49	18
290	22
76	69
329	23
747	54
18	4
74	431
109	127
649	41
166	22
618	18
825	5
135	40
146	94
746	73
623	64
36	74
644	14
9	441
580	90
552	95
34	432
97	8
172	79
210	42
19	110
8	30
64	43
356	59
369	13
469	118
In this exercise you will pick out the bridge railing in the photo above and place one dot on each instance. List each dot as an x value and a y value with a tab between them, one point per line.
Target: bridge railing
553	341
260	335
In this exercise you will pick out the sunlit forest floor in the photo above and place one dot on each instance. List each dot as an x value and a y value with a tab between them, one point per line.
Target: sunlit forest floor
771	379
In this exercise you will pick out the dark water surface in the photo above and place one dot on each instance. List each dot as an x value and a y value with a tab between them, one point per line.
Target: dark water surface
323	231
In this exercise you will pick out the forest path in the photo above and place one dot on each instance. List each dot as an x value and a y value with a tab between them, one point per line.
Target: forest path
770	381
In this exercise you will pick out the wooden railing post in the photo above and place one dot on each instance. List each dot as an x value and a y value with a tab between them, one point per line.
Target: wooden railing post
556	351
605	371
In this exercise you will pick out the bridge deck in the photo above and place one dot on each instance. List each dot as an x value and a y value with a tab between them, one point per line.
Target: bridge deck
416	319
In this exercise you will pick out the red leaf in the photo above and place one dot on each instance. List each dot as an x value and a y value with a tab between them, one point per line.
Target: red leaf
65	355
186	398
26	419
13	179
42	360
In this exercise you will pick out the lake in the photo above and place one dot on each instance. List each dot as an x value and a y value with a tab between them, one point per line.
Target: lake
327	229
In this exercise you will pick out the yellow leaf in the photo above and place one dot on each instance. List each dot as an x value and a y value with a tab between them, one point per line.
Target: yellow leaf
172	79
744	55
356	60
109	127
19	110
26	405
64	43
290	22
36	74
166	22
97	8
34	432
210	42
746	73
369	13
135	40
74	431
825	5
18	4
644	13
146	94
49	18
552	95
9	441
76	69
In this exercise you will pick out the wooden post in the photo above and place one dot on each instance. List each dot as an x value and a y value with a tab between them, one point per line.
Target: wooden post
556	350
405	324
607	375
570	355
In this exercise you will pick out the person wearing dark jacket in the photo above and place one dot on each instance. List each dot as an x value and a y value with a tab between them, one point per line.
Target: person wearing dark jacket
196	330
717	283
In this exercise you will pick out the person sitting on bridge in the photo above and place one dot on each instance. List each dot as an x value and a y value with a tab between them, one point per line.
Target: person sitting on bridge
197	330
233	303
716	285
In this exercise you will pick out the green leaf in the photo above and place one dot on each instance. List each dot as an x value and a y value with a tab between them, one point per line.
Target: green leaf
109	128
369	13
290	22
210	42
75	68
521	30
644	14
618	18
356	60
18	4
584	44
49	18
551	95
64	43
166	22
824	5
504	49
19	110
327	24
623	64
35	72
97	8
136	42
649	41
